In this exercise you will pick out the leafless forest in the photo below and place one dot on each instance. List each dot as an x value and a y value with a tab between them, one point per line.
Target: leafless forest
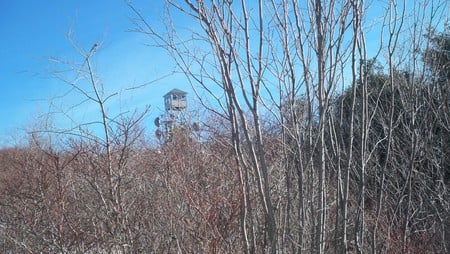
325	129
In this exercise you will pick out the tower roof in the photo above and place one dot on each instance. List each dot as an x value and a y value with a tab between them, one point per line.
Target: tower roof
175	91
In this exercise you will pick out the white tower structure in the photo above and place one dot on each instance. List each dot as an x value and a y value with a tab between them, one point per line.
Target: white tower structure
175	100
175	104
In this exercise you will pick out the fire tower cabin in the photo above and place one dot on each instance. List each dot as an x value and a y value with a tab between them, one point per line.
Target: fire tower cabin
175	100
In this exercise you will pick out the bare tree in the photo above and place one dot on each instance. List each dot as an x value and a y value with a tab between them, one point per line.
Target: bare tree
243	62
315	141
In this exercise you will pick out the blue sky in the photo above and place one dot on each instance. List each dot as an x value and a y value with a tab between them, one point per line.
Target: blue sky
35	31
32	32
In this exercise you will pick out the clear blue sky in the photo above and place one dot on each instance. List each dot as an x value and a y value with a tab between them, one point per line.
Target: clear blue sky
33	31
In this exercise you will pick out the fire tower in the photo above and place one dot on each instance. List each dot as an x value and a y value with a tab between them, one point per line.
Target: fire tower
175	104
